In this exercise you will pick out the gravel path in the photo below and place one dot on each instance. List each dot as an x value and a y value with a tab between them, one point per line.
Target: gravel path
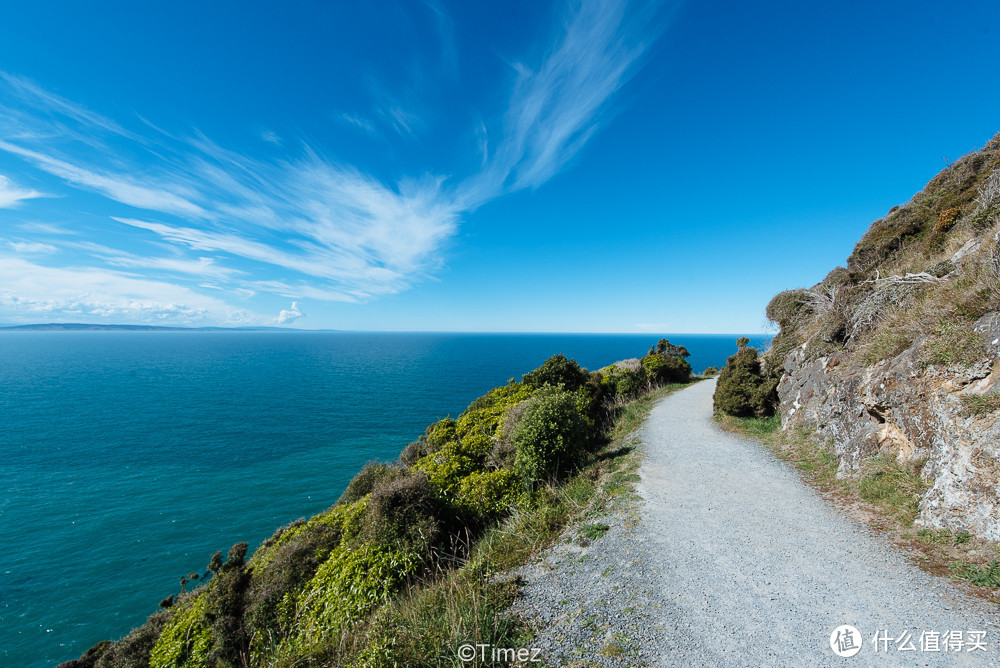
730	560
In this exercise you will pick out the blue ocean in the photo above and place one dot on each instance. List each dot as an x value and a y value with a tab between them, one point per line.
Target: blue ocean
128	458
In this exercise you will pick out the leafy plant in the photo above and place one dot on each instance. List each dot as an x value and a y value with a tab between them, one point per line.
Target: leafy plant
743	390
594	531
551	437
557	371
981	576
623	382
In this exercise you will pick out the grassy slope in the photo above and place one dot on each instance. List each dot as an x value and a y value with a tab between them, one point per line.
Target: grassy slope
866	311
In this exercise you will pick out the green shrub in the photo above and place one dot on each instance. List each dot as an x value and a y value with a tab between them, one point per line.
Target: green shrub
370	475
294	563
406	511
502	455
487	495
187	639
477	427
666	364
667	349
710	372
557	371
552	436
433	439
743	390
207	629
623	381
349	585
446	467
344	522
225	604
476	437
133	650
788	307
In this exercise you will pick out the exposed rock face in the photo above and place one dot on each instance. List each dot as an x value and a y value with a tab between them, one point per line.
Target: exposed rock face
883	356
914	412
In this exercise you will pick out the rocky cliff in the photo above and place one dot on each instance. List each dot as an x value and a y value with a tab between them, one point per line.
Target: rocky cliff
896	354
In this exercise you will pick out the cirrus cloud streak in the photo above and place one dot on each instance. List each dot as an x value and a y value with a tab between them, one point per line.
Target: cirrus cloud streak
307	226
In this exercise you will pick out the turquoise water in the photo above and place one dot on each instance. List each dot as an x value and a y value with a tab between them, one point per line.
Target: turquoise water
128	458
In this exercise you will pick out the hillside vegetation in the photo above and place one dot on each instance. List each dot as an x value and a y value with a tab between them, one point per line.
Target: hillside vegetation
400	570
925	272
887	365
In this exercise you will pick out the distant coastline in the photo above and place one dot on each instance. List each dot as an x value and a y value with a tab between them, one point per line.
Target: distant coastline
84	327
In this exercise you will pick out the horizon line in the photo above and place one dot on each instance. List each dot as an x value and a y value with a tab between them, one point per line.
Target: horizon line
144	327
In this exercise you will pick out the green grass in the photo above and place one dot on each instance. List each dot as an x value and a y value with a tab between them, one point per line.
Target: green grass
594	531
953	344
981	576
883	344
943	536
979	404
755	427
895	488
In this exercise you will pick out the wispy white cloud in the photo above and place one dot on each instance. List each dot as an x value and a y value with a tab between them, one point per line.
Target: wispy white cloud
32	291
358	121
296	291
116	186
445	28
35	227
11	195
555	108
290	314
29	93
271	137
324	230
396	110
203	267
31	248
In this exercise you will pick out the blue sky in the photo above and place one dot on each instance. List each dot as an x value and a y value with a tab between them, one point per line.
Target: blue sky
519	166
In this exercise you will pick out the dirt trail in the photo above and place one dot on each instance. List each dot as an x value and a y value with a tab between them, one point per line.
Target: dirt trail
754	568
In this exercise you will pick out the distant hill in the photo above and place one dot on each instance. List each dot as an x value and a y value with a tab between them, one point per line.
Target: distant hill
85	327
